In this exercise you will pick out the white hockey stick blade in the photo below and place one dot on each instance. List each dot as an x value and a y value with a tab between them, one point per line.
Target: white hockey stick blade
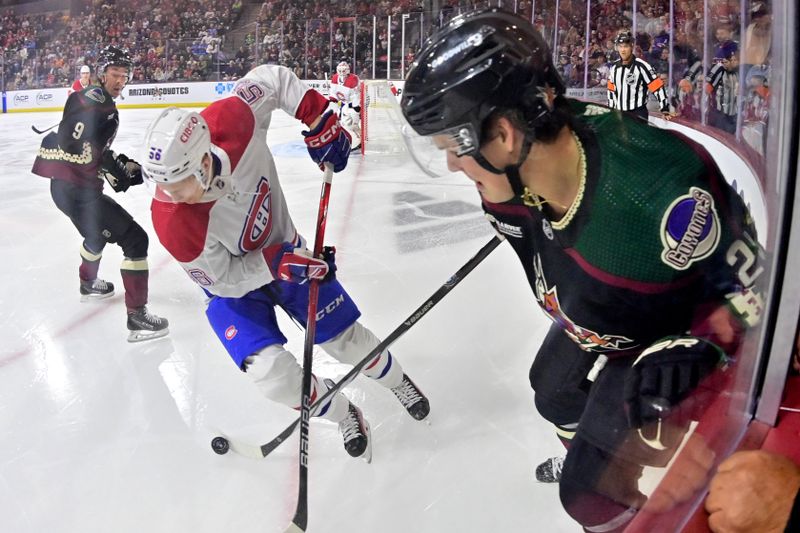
252	451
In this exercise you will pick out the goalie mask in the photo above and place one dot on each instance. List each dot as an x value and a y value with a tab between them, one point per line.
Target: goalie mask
479	63
343	70
174	146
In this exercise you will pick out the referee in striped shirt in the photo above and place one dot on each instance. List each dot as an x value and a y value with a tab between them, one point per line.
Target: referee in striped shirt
630	80
722	84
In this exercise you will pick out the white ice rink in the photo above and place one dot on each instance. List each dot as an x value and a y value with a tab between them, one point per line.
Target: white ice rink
99	435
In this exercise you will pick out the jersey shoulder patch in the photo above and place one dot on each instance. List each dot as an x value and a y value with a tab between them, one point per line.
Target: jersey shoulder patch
182	228
95	94
232	124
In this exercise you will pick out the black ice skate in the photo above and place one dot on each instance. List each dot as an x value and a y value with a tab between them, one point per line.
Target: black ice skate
355	431
96	290
412	399
143	325
550	470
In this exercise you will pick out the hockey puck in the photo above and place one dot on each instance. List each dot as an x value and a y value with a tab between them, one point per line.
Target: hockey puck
220	445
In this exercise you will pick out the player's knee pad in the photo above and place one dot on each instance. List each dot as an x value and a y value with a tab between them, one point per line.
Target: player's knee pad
134	241
279	377
354	343
562	412
276	373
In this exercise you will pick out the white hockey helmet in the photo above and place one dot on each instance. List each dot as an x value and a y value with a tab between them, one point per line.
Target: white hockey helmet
174	146
85	69
343	69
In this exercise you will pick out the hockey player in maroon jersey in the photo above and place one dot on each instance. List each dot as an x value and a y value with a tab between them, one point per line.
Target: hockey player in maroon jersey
345	92
219	210
634	245
79	160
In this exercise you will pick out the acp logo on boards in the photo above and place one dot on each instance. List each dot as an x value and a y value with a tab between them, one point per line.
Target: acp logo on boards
44	98
21	99
224	88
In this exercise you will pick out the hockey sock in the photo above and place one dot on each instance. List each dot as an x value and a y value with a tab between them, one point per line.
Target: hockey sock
90	264
134	277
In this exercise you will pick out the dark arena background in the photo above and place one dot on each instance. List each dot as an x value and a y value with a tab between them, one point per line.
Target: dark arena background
102	435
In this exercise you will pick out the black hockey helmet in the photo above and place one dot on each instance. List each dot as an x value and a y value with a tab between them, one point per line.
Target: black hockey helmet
624	37
112	56
478	63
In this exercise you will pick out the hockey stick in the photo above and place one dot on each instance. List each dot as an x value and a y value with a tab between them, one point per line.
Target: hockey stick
37	130
258	452
300	519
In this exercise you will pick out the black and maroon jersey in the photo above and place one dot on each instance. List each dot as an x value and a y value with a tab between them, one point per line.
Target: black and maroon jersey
87	128
656	240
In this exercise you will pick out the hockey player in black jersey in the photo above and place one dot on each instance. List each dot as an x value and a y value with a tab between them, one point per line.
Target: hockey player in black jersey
79	160
634	245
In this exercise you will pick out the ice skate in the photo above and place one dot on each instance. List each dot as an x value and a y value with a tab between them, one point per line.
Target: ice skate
412	399
143	325
355	431
550	470
97	289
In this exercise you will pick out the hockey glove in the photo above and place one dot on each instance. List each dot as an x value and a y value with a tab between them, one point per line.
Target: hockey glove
328	142
120	171
665	374
296	265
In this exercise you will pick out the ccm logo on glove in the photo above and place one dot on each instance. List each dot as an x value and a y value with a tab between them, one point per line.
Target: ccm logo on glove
325	137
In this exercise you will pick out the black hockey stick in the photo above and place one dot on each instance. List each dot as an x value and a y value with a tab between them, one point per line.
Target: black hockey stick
300	520
37	130
258	452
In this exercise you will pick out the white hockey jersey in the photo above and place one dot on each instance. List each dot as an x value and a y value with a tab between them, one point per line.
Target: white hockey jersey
219	242
346	91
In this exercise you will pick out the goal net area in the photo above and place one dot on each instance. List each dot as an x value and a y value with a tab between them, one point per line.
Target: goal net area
381	119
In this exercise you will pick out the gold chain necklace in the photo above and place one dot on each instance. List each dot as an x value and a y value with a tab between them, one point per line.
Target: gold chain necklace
534	200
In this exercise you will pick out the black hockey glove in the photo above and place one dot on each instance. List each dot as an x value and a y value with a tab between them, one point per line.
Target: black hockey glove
665	374
132	168
120	171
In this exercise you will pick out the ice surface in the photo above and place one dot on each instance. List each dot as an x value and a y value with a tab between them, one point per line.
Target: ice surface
100	435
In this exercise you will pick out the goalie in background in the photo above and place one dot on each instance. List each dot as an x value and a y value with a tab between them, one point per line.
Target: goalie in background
78	160
345	93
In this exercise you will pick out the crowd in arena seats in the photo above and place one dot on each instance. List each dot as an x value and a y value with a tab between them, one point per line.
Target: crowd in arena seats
310	36
177	40
186	40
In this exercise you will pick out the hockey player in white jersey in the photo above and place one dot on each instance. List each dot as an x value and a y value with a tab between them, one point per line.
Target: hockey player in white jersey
219	209
345	93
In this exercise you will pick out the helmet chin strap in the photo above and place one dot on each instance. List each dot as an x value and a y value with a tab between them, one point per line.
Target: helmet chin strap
511	171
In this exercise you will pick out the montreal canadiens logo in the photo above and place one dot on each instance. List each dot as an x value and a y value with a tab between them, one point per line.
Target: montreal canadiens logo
259	220
689	229
231	332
